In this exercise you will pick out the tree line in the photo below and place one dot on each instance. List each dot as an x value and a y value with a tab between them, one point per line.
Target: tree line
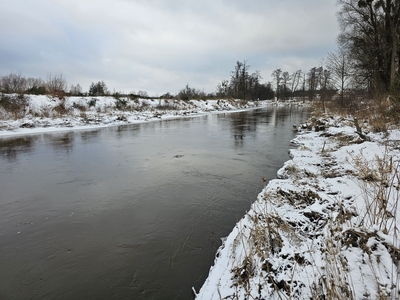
241	85
55	85
366	62
244	85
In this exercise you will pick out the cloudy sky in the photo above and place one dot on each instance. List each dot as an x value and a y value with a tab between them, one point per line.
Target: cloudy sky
161	45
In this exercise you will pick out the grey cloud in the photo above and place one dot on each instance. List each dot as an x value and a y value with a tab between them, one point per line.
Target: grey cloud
160	46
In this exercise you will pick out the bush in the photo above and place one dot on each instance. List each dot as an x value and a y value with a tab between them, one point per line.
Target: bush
167	105
14	104
92	102
121	103
79	106
37	90
167	96
189	93
98	89
61	107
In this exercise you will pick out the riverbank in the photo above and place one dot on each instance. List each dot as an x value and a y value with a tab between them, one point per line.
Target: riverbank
47	114
327	228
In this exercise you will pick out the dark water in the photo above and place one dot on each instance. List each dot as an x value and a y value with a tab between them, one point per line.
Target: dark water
131	212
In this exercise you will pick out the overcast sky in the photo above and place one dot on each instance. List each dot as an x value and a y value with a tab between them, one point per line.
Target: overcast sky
161	45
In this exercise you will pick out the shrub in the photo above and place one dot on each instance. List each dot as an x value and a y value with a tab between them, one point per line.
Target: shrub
37	90
61	107
98	89
167	105
92	102
14	104
121	103
190	93
79	106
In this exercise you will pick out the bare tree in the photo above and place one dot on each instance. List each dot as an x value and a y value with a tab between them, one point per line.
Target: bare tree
324	77
223	89
312	81
294	83
370	31
303	88
13	83
243	85
188	93
35	86
18	83
142	94
239	80
277	76
56	85
338	63
285	82
76	90
244	78
236	78
254	85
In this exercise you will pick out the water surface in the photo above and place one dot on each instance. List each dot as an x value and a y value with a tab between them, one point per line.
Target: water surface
131	212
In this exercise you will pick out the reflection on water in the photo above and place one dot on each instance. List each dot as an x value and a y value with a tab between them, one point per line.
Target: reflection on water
11	147
88	135
63	142
131	212
246	123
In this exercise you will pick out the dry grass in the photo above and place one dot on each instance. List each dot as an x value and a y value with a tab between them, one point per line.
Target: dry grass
167	105
14	105
81	107
346	227
60	108
378	114
381	192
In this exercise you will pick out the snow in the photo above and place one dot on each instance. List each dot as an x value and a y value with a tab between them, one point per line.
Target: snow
327	228
49	114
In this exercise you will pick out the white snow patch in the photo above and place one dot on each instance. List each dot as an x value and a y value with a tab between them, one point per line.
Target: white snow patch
319	230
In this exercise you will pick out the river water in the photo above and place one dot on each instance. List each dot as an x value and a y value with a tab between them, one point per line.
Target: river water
131	212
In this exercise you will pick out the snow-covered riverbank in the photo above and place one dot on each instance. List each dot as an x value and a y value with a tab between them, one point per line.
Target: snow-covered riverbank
328	228
46	114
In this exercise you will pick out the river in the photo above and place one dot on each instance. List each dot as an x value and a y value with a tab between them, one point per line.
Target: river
135	211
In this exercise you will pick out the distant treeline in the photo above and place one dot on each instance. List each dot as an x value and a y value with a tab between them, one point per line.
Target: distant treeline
241	85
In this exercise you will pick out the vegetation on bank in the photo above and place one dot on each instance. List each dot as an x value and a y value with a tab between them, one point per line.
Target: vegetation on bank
39	111
328	228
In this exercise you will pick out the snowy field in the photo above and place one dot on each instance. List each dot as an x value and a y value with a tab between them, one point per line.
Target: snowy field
327	228
46	114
